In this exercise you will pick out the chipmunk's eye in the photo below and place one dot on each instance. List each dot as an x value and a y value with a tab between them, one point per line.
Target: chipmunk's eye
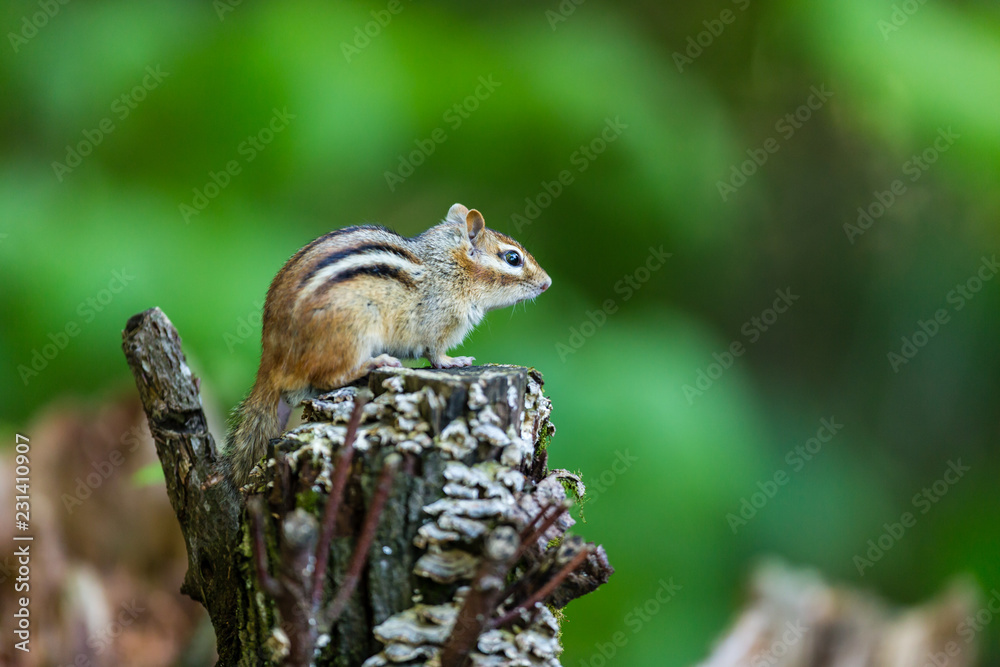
512	257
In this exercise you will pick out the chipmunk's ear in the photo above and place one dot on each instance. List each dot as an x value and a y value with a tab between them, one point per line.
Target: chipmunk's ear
475	224
457	213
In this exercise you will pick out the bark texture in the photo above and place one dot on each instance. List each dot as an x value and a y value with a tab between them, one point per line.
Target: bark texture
464	554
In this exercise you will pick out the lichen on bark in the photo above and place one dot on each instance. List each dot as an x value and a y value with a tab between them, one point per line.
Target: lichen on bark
469	518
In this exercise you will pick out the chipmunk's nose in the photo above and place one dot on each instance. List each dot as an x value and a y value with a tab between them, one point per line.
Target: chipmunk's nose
547	284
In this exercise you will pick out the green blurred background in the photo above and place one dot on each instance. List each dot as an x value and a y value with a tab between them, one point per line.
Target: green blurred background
695	91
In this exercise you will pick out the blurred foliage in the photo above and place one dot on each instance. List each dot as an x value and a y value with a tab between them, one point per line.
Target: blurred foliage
899	73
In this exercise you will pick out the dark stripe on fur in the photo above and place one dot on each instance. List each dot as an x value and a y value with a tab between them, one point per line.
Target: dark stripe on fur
326	237
335	257
301	252
374	270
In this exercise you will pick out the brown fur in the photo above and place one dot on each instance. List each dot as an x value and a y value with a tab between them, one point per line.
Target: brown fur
346	300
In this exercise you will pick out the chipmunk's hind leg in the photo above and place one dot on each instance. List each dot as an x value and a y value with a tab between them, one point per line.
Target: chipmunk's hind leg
291	399
342	374
284	412
347	346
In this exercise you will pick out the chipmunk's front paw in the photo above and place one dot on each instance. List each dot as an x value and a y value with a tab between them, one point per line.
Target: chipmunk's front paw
444	361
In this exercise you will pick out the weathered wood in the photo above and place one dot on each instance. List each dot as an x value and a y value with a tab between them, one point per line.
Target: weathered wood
795	619
473	441
209	518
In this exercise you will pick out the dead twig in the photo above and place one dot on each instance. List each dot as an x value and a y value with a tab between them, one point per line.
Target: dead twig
360	556
338	483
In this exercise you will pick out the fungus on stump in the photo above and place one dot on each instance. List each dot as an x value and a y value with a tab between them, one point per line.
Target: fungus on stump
412	519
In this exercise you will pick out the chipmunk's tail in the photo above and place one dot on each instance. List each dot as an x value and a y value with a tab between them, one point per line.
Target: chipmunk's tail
255	422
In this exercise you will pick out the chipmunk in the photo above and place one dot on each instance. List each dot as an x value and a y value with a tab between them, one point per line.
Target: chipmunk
359	298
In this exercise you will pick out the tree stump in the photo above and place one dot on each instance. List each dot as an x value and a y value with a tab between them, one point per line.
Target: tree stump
795	619
428	531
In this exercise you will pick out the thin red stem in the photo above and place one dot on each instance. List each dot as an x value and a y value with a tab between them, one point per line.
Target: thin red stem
545	590
360	556
338	482
267	582
532	538
529	536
